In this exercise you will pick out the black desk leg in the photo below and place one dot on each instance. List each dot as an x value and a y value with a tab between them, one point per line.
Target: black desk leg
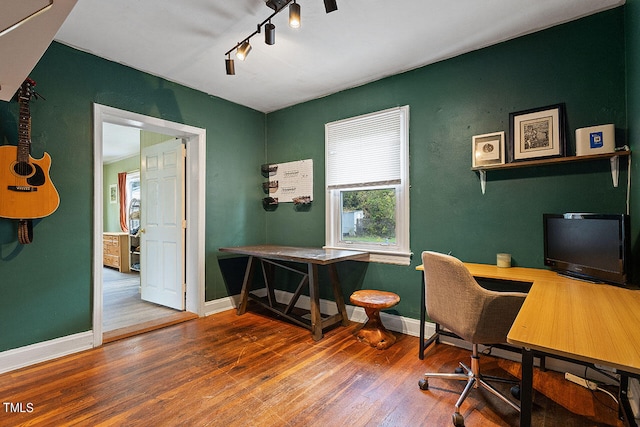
526	388
423	319
423	310
625	413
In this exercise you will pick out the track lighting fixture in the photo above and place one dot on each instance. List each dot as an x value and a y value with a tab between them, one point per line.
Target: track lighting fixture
243	48
294	15
330	5
270	33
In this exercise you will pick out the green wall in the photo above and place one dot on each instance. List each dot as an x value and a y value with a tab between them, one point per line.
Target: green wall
46	287
581	63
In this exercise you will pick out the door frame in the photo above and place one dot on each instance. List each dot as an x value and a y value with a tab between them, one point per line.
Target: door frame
195	177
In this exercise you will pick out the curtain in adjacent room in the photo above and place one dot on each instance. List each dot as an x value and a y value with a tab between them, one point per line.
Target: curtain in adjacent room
122	192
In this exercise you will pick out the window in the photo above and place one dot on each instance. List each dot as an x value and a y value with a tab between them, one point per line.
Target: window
367	184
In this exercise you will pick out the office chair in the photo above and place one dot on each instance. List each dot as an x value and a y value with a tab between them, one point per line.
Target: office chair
458	303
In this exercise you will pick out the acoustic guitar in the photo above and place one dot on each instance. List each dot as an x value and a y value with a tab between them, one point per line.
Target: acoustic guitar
26	190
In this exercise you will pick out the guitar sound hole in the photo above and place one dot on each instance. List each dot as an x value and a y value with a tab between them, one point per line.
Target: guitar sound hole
23	168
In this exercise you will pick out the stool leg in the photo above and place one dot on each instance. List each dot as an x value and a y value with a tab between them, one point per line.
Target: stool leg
373	332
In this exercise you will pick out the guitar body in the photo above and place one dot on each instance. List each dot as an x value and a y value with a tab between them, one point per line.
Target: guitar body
26	190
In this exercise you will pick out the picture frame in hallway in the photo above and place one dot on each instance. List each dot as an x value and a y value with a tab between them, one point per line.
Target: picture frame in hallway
537	133
113	193
488	149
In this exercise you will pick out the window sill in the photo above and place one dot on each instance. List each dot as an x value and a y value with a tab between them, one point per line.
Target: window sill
382	257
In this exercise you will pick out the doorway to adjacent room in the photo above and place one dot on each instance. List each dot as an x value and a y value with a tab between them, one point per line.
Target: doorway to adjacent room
113	288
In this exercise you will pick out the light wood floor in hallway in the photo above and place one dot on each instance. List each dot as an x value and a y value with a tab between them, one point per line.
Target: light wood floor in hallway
125	313
255	370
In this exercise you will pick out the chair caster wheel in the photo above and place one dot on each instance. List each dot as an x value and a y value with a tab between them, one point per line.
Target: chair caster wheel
459	370
423	384
458	419
515	391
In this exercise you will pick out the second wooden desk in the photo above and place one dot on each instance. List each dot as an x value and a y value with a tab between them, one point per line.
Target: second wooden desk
312	257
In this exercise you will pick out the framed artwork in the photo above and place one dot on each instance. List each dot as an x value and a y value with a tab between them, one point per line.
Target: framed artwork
537	133
113	193
487	149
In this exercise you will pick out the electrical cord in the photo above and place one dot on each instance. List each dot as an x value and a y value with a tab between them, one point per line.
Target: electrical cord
608	393
594	386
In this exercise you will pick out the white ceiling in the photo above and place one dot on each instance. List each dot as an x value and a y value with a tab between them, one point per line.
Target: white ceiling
364	40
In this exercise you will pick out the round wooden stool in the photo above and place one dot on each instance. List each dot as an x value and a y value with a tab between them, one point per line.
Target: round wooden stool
373	332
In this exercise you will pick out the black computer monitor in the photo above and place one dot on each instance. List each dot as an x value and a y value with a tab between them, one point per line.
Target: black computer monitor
589	246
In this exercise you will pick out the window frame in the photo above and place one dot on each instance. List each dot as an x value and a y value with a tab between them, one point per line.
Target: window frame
400	253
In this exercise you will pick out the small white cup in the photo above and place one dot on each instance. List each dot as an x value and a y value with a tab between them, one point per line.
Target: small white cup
504	260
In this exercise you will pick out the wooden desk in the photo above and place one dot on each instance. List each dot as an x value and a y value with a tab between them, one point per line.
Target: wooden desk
571	319
268	255
586	322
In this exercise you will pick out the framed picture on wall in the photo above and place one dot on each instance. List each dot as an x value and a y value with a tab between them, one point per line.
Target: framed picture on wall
537	133
487	149
113	193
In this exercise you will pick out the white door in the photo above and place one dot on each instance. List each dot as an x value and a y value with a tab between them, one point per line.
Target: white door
162	227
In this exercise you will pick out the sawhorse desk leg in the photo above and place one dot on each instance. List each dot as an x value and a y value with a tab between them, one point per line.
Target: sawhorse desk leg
246	285
314	300
337	293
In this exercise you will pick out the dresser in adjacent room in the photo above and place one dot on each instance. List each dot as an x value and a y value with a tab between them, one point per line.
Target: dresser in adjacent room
115	251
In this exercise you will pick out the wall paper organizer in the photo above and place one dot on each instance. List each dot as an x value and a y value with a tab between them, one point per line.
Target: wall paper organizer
290	182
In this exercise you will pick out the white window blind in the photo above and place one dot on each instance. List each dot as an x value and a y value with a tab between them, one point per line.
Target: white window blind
366	150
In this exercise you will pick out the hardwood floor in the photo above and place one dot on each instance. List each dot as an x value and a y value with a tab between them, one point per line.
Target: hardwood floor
255	370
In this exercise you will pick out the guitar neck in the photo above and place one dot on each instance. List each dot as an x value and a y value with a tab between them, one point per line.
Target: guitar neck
24	130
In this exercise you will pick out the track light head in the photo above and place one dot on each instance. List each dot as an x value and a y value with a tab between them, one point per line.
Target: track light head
330	5
230	66
270	34
294	15
243	50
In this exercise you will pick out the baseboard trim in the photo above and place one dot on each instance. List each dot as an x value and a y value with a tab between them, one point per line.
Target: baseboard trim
17	358
221	304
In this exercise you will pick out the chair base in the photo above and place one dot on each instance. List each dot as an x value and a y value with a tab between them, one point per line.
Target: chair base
474	379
